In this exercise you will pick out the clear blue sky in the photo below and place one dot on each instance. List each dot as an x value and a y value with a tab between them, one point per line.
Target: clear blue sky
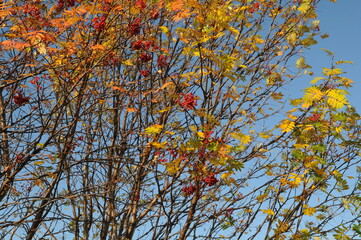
342	21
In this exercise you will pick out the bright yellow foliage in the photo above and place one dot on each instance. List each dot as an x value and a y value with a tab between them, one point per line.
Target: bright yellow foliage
287	125
309	211
312	94
332	72
336	98
268	212
154	129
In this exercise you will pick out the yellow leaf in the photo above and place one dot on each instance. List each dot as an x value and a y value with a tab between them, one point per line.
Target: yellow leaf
339	129
324	36
200	134
341	61
301	63
40	145
336	98
164	29
295	102
287	125
331	72
295	180
243	138
292	37
233	31
305	6
312	94
309	211
128	62
292	117
159	145
226	175
38	163
299	146
258	40
329	53
166	85
264	135
316	79
173	166
154	129
260	198
346	203
41	48
193	128
268	211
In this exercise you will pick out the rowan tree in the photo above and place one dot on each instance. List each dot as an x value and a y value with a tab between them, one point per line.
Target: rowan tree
170	119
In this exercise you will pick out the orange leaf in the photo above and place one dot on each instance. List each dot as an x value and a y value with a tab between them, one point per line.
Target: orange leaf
119	89
132	110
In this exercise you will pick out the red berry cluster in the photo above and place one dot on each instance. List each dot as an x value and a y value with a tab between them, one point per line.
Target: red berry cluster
315	117
162	61
106	6
189	190
36	82
32	10
254	8
144	73
160	157
154	15
19	159
187	101
20	100
210	180
145	57
99	23
207	136
134	27
65	3
111	59
139	44
173	153
162	160
140	4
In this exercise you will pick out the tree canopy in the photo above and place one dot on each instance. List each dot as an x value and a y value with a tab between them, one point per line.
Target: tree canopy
171	119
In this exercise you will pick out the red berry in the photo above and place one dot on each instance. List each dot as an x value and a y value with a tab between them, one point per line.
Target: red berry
140	4
20	100
162	61
189	190
144	73
137	45
210	180
99	23
134	27
145	57
315	117
188	101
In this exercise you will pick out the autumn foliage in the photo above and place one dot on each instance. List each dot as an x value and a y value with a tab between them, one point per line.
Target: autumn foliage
170	119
